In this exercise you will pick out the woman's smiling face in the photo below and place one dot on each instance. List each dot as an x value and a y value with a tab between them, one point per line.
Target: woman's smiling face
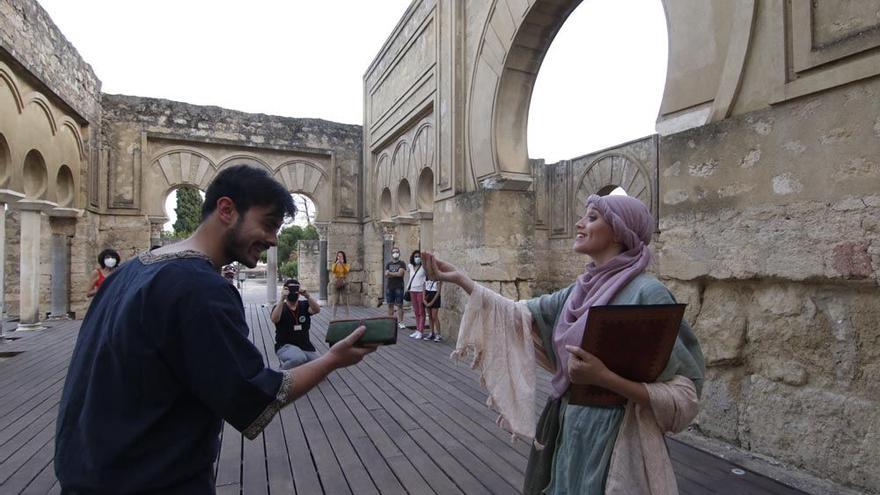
593	234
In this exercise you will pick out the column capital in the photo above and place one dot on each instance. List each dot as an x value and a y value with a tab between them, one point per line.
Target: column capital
323	229
59	212
10	196
389	229
38	205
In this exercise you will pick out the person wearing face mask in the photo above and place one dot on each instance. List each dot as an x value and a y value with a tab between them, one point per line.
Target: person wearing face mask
108	260
417	293
394	272
292	317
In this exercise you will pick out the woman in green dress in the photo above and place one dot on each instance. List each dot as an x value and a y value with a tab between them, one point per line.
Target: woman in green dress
583	449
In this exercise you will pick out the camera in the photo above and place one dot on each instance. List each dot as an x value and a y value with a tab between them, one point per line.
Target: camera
293	292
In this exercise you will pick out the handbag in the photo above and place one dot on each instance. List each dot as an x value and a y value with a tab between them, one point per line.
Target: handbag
339	283
406	296
379	330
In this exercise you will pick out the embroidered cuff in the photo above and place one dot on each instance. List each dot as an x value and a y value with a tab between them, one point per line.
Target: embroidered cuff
265	417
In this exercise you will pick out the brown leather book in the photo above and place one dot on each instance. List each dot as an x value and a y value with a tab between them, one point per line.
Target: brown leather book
634	341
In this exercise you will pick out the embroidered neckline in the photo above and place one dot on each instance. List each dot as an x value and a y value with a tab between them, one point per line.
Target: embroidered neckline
147	257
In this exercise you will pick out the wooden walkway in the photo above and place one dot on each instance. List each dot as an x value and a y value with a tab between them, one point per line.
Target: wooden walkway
406	420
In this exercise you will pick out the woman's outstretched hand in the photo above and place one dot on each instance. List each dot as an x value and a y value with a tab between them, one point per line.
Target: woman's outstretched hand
443	271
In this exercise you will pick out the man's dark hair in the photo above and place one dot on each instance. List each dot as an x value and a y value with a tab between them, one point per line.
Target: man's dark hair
248	186
108	253
291	281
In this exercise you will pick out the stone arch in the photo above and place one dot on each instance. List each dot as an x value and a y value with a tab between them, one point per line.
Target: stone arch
35	175
43	104
612	170
399	160
5	162
511	48
425	190
421	153
68	124
404	198
7	77
183	166
302	176
65	187
245	158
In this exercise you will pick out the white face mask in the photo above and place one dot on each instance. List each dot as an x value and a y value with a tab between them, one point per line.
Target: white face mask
110	262
395	255
417	260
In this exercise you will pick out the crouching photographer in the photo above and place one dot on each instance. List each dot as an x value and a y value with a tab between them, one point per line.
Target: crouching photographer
292	317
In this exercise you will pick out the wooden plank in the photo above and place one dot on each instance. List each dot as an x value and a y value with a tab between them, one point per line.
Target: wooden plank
254	479
42	482
278	469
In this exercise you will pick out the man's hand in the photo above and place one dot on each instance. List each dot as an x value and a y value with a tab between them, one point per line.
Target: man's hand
344	353
585	368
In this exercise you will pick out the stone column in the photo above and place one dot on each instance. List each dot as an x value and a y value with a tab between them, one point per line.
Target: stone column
29	264
272	275
324	277
6	196
426	230
60	276
63	224
156	223
387	244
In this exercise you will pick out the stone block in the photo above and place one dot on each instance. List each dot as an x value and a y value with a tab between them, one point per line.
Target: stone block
829	432
721	324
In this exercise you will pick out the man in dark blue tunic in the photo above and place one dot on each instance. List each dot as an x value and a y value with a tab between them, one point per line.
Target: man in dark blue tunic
163	355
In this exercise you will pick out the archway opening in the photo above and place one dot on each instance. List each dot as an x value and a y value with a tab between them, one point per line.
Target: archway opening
585	98
404	198
425	195
35	175
306	211
183	207
5	161
385	206
64	188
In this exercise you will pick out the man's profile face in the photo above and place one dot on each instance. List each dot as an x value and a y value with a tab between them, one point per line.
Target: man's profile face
253	233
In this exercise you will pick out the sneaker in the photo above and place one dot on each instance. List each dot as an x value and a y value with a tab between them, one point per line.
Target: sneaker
438	338
401	325
426	336
416	335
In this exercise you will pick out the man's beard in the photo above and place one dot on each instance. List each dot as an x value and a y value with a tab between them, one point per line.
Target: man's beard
235	248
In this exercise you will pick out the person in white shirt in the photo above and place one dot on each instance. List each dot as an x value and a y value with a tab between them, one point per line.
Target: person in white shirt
416	289
432	305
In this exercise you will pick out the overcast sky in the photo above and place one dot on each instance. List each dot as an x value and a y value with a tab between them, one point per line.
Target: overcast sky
600	84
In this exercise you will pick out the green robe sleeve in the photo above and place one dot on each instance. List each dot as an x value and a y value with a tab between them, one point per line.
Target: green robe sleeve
545	311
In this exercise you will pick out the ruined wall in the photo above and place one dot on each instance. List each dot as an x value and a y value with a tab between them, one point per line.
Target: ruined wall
309	264
770	229
32	39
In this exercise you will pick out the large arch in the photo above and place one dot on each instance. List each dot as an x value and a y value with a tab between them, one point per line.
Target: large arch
302	176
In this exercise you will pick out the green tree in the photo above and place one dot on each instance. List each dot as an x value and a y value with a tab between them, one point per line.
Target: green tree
188	210
288	241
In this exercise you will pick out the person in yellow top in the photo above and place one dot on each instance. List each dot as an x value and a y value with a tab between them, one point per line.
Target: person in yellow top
339	285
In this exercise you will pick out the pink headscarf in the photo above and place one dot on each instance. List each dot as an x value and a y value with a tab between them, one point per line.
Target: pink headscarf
633	225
